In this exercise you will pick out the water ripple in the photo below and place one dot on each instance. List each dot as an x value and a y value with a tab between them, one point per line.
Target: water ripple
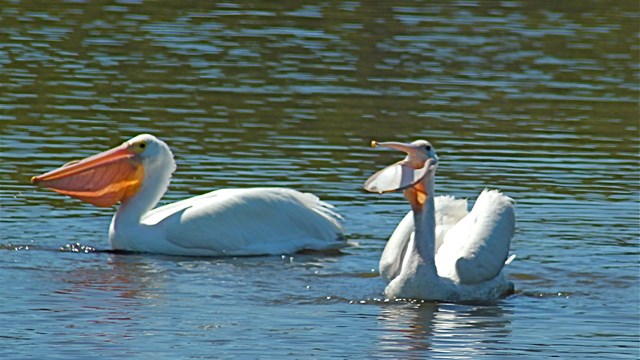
538	101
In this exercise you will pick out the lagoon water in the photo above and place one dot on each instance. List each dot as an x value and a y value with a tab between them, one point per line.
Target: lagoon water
538	99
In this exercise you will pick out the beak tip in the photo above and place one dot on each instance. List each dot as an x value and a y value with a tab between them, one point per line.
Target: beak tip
374	143
34	180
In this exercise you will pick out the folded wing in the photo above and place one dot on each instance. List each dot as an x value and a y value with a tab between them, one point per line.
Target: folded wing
253	221
449	211
475	249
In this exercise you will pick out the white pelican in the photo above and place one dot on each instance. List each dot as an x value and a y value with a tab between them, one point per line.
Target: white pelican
255	221
439	251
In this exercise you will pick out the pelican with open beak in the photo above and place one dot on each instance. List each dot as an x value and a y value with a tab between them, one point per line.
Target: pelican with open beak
440	251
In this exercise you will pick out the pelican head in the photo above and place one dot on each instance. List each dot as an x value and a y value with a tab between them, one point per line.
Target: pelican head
418	152
152	152
421	161
113	175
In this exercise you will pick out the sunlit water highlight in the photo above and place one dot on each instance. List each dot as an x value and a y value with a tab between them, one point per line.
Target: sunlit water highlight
539	100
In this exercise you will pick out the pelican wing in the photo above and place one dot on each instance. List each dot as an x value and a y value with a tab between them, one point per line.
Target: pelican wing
393	253
475	249
449	211
254	221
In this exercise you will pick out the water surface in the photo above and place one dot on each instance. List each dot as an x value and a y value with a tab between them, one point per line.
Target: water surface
539	100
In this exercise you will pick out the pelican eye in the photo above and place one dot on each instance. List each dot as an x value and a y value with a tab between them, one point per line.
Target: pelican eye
428	147
138	147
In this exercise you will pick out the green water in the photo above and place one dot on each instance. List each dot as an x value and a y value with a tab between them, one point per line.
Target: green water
537	99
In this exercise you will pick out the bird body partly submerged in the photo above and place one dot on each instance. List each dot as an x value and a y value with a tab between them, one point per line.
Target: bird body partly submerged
467	268
440	251
448	212
254	221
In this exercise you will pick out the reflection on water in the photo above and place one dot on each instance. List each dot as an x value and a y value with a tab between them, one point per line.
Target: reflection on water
418	329
537	99
126	277
409	328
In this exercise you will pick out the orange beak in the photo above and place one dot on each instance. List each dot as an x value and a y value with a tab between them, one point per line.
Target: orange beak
101	180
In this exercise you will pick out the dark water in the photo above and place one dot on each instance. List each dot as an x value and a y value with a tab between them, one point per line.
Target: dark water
539	99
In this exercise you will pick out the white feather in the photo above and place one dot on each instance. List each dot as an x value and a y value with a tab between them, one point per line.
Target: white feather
242	222
449	211
255	221
475	249
439	251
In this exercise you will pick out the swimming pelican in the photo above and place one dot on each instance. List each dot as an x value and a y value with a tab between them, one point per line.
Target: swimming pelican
255	221
439	251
